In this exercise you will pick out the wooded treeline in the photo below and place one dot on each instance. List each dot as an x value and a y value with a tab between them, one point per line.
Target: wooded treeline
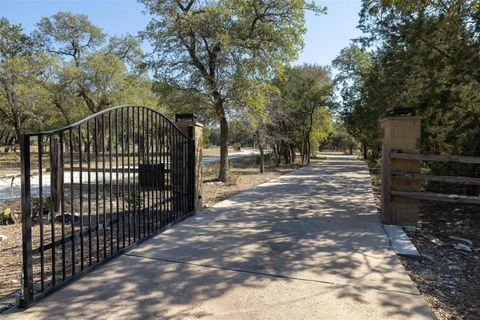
64	70
227	61
421	54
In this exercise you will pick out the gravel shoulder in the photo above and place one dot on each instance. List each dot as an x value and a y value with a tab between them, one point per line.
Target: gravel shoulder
448	275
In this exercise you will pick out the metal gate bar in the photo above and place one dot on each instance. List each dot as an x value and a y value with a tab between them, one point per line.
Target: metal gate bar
104	184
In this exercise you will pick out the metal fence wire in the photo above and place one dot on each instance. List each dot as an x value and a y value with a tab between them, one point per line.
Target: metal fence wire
100	186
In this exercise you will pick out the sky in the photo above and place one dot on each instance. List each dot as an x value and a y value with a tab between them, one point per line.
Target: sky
326	35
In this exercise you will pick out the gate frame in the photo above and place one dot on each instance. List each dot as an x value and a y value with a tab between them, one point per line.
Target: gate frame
193	135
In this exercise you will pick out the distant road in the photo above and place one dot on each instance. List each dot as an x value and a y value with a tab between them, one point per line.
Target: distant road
231	156
9	190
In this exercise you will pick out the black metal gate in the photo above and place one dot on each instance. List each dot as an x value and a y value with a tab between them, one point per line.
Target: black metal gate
92	189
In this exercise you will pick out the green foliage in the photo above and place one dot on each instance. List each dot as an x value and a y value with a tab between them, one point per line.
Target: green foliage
22	95
418	54
299	115
45	205
223	49
214	58
362	103
66	69
102	72
135	201
207	143
180	100
340	140
240	132
6	216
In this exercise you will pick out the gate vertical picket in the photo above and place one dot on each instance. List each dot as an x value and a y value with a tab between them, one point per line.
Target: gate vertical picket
127	201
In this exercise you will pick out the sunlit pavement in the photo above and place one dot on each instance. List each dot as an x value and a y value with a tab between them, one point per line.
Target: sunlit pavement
308	245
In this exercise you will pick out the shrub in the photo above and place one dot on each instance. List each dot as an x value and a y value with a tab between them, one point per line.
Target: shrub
47	205
207	143
135	201
6	216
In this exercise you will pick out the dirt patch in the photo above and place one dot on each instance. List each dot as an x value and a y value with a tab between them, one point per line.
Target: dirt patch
10	259
214	151
243	176
448	275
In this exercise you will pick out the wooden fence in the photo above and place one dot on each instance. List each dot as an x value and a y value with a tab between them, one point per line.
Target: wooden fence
387	174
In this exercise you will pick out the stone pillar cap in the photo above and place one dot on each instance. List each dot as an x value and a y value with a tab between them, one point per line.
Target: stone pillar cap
185	117
401	118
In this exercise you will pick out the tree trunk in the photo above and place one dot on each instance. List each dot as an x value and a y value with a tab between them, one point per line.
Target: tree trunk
302	153
262	158
18	133
365	151
305	155
223	172
286	153
277	155
63	111
310	152
292	151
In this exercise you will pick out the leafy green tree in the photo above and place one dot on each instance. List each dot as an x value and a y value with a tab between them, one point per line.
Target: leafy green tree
220	47
360	106
102	71
180	100
22	72
305	94
425	53
339	139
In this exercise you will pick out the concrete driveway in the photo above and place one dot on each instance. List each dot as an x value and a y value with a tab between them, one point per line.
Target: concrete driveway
308	245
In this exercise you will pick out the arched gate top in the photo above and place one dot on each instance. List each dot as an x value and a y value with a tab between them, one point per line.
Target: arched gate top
101	113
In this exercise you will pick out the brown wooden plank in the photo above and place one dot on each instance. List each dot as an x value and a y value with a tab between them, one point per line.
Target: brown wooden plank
455	198
439	158
448	179
386	212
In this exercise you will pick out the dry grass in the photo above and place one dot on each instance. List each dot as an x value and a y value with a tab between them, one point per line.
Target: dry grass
244	175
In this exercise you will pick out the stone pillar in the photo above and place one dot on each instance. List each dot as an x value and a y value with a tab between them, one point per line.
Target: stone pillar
400	134
187	123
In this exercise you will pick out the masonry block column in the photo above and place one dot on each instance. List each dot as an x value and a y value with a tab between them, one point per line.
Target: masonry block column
188	125
400	134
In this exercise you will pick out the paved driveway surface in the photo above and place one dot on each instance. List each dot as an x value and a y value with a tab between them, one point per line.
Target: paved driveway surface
308	245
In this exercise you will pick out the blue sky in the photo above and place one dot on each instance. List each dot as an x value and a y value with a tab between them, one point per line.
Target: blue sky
326	36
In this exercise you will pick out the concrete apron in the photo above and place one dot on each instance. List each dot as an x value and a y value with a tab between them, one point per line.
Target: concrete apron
308	245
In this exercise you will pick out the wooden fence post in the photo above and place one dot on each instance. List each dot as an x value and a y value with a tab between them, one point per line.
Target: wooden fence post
386	215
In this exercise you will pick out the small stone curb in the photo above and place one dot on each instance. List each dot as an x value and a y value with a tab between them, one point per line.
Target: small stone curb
399	241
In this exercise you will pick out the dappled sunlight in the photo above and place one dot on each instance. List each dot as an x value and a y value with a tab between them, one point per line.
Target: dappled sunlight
296	244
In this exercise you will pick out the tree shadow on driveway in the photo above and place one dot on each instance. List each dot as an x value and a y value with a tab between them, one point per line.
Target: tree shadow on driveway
306	245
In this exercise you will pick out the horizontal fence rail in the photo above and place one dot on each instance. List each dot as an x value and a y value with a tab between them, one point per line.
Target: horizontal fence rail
424	195
440	158
99	186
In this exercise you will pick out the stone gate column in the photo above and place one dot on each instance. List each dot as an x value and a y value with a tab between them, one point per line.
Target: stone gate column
187	123
400	132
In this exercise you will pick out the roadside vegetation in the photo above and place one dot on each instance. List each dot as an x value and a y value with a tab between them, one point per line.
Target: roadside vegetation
230	63
420	54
